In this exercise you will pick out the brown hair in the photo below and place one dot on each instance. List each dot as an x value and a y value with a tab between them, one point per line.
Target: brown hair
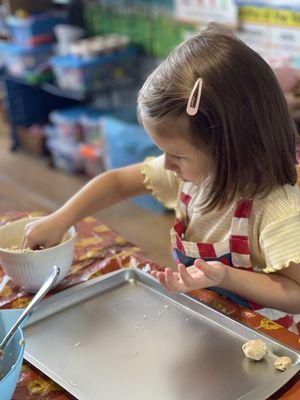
243	119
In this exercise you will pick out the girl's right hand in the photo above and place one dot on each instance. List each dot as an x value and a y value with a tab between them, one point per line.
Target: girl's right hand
44	233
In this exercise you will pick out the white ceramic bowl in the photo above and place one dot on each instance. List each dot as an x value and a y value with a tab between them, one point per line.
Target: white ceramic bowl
29	270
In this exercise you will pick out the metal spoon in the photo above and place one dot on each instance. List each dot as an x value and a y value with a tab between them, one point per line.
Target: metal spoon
47	285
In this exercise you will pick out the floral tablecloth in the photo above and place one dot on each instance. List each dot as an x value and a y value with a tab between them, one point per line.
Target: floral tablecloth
100	250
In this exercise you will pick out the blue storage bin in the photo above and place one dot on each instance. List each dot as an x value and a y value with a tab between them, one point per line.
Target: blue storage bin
65	156
128	143
67	122
50	132
101	72
36	29
26	113
92	126
79	124
3	47
19	61
93	157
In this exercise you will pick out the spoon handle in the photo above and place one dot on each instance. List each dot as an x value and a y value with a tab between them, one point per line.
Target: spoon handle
47	285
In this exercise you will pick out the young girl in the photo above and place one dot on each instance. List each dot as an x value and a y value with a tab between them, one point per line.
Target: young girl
215	109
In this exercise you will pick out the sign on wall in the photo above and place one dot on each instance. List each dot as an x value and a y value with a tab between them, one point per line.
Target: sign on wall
205	11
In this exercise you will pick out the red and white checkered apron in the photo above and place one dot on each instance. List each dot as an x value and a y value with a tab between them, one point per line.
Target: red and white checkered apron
234	252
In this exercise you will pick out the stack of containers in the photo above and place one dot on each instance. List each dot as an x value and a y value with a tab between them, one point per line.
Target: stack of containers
66	35
63	140
83	139
31	46
75	140
36	29
93	151
23	62
97	64
4	45
128	143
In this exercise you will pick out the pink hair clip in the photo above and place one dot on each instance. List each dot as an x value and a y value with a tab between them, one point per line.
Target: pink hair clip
193	103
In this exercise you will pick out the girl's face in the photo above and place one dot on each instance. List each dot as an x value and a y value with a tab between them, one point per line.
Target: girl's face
187	161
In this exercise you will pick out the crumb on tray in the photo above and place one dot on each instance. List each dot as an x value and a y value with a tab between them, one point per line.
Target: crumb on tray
283	363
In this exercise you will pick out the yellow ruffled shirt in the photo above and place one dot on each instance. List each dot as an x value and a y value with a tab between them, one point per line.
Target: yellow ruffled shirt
274	223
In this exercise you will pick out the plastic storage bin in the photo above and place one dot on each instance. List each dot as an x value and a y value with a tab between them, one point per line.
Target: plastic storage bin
92	127
67	122
66	35
50	132
101	72
4	45
128	143
65	156
20	61
94	161
36	29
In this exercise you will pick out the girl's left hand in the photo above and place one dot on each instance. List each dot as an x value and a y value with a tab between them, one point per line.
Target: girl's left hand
199	276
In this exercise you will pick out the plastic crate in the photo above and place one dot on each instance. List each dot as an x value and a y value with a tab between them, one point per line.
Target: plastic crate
128	143
101	72
20	61
36	29
65	156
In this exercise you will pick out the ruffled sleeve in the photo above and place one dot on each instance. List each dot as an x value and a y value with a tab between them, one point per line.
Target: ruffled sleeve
163	184
280	237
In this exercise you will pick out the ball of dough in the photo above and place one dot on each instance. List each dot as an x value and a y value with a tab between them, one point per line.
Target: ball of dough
255	349
283	363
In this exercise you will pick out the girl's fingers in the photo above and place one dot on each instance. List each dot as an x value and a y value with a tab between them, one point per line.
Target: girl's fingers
171	280
174	281
205	268
162	280
185	276
28	244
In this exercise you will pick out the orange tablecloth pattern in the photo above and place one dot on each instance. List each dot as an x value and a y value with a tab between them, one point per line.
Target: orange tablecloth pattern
100	250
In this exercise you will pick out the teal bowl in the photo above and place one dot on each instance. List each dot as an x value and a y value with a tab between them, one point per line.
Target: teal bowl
11	363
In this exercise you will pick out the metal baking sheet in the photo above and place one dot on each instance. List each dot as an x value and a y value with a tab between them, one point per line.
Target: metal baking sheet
122	336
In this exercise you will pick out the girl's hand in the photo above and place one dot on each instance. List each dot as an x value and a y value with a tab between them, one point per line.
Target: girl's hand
199	276
46	232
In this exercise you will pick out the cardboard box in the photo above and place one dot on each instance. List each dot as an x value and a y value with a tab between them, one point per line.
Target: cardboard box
32	139
31	6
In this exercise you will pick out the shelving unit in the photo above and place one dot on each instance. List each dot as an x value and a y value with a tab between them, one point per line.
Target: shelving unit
24	112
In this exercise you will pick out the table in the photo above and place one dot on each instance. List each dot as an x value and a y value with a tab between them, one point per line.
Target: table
100	250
